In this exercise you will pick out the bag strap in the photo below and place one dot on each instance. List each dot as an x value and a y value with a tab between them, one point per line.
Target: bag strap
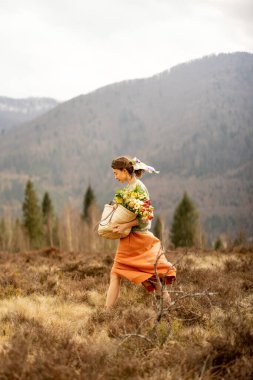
102	220
110	215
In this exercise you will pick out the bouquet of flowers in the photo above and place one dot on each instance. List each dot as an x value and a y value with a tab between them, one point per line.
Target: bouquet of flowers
135	200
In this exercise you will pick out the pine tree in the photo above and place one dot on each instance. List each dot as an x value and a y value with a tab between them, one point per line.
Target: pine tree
185	223
89	200
48	217
218	244
158	228
32	216
47	207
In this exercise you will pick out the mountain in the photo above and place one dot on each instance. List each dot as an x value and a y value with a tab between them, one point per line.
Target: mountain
14	112
194	123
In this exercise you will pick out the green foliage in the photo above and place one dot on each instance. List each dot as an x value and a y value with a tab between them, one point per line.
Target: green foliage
158	228
88	201
47	207
32	216
184	224
218	244
48	219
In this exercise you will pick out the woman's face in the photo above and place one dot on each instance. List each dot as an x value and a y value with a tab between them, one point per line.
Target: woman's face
121	175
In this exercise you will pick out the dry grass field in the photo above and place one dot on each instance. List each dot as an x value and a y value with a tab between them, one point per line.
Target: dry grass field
53	324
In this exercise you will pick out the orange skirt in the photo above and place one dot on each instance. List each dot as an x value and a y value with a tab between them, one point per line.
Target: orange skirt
135	260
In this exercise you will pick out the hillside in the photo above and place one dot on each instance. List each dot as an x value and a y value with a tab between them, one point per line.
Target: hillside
14	112
194	123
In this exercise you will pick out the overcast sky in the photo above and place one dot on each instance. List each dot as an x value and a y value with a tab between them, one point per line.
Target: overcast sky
63	48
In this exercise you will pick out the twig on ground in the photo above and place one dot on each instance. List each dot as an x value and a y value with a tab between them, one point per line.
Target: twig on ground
189	295
127	336
146	320
204	367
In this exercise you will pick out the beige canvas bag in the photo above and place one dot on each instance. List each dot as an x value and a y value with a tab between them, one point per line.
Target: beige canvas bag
111	217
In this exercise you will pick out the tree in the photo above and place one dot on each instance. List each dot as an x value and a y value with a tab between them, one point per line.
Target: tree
240	238
48	217
158	228
47	207
218	244
32	216
89	200
185	223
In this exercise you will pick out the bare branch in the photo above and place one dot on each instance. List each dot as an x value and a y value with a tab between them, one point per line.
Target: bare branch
142	324
204	367
189	295
127	336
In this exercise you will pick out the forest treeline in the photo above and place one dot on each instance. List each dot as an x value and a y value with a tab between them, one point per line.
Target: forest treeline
40	226
75	230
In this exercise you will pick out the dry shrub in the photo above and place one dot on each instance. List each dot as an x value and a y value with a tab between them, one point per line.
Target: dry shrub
201	278
228	356
72	337
240	265
99	319
130	320
108	260
124	366
193	311
247	285
50	272
35	354
231	355
79	270
243	248
227	282
71	289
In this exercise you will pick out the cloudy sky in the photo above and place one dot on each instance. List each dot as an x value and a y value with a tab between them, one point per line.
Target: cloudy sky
63	48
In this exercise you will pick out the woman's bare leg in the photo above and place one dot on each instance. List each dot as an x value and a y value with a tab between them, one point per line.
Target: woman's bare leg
113	291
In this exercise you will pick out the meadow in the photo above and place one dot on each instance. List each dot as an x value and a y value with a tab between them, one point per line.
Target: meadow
53	324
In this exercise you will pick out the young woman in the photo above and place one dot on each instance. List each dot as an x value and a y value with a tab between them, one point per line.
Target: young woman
137	253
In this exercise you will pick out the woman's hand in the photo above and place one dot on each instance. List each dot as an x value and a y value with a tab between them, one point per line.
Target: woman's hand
120	228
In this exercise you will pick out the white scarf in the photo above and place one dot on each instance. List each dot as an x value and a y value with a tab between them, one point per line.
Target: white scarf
137	164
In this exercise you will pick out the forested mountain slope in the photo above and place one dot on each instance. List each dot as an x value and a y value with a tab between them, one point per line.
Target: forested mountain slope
194	123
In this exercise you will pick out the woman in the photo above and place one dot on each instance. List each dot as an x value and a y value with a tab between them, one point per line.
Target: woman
137	253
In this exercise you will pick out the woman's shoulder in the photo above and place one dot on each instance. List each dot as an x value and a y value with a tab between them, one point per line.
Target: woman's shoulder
139	182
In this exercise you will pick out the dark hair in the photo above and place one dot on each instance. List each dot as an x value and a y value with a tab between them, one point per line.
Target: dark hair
125	162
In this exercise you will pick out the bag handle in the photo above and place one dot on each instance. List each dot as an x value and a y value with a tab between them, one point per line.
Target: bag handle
110	215
102	220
